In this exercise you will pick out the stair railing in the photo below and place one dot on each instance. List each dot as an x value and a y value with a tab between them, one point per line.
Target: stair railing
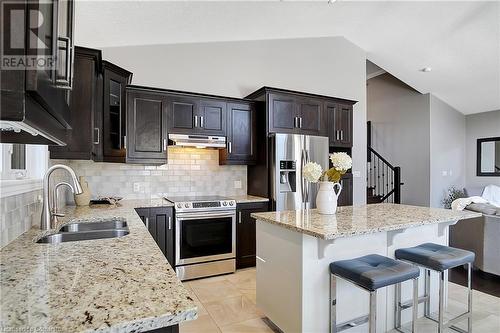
383	179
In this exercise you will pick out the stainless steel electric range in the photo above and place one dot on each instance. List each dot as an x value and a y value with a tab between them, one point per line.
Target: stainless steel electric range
205	236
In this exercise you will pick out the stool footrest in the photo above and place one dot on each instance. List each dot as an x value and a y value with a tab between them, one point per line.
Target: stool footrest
449	323
352	323
409	304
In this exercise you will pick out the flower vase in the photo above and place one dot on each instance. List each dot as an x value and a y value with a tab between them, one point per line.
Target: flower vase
326	200
83	199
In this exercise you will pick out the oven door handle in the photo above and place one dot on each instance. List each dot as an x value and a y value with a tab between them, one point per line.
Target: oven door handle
196	216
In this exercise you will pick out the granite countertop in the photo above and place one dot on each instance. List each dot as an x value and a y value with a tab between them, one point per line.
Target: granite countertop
109	285
249	198
359	220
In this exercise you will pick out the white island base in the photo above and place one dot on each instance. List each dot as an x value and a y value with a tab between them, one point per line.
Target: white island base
293	276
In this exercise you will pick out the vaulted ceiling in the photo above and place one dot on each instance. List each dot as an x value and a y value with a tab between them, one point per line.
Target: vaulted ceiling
460	41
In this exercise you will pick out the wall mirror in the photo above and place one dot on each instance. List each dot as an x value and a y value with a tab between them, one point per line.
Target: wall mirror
488	157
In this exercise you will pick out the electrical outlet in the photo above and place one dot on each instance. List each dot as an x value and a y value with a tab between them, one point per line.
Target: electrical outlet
237	184
137	187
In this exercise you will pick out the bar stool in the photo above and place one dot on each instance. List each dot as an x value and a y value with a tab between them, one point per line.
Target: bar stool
438	258
370	273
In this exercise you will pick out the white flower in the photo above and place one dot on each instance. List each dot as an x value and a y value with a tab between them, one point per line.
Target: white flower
312	172
341	161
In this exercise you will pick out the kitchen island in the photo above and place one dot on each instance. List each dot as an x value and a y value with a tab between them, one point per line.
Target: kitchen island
294	249
120	284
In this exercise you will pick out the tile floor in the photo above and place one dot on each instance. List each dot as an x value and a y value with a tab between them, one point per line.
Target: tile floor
227	304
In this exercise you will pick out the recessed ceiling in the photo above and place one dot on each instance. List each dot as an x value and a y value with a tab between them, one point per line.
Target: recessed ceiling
459	40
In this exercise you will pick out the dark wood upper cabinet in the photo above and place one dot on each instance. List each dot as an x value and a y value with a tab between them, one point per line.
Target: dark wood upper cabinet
241	134
83	139
297	112
282	114
339	124
37	98
212	117
245	232
311	117
146	127
192	115
181	114
115	79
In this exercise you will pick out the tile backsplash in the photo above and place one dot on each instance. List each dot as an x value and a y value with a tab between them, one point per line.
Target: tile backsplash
18	213
189	171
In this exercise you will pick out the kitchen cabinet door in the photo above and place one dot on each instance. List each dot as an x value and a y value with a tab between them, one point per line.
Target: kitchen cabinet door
162	218
182	114
83	138
143	214
245	232
282	114
146	127
212	118
339	124
311	117
241	135
345	198
115	79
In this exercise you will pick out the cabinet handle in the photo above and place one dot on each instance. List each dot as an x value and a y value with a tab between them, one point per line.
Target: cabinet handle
195	121
96	130
300	122
295	122
341	135
124	142
201	121
170	223
164	144
239	217
230	147
147	223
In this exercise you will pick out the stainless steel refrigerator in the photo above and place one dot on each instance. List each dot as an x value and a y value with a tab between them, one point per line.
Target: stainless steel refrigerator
288	155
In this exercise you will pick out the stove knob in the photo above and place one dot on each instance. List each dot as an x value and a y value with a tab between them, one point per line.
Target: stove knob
224	203
179	206
231	203
186	205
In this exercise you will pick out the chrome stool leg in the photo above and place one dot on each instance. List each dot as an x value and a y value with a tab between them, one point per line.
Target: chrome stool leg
427	304
333	304
400	306
414	310
373	312
441	303
469	297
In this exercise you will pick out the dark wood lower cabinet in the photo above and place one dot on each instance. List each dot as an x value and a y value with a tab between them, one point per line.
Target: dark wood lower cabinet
345	198
245	232
159	221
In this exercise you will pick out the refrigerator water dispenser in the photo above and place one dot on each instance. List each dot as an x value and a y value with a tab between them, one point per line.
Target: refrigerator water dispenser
288	175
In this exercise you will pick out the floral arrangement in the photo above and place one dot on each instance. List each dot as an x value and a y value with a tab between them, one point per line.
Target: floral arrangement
341	163
452	194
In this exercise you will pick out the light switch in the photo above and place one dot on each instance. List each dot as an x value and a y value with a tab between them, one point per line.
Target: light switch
445	173
356	174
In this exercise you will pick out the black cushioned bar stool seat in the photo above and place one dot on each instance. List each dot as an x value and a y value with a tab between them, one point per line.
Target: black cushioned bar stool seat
435	256
374	271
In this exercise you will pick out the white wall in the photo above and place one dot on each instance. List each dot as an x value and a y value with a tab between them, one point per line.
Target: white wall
400	133
479	125
329	66
447	149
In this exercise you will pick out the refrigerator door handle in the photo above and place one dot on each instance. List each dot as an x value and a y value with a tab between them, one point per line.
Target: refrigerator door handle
306	183
302	187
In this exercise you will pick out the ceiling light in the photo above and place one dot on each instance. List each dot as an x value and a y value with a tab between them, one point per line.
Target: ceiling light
426	69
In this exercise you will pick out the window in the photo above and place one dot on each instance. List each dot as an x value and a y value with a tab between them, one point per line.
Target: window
21	167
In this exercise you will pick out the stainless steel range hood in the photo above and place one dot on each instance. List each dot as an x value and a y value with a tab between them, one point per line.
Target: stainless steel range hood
198	141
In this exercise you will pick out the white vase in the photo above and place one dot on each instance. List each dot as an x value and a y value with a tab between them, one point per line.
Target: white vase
326	200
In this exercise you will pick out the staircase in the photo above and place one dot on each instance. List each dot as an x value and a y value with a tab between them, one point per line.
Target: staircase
383	179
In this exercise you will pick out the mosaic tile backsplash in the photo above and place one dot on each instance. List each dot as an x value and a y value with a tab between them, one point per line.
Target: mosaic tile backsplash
189	171
18	213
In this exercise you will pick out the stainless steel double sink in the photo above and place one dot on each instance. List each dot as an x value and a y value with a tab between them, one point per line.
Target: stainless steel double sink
78	231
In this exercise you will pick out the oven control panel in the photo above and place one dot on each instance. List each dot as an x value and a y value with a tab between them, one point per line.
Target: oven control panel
205	205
